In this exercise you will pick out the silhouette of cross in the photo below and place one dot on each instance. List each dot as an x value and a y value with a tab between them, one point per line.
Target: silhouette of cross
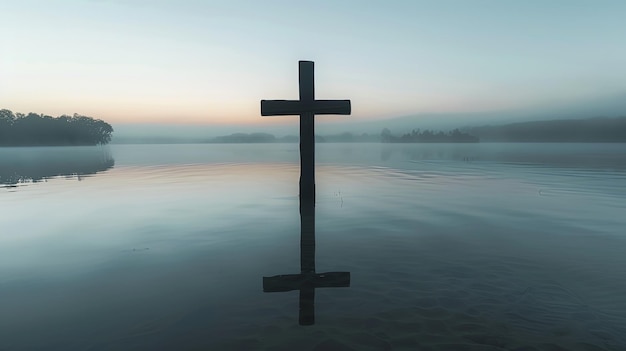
308	280
307	107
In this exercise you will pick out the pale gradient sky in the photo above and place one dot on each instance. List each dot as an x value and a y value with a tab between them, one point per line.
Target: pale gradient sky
212	61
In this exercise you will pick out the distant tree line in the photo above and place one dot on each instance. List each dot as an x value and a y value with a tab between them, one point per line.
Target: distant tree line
244	138
428	136
41	130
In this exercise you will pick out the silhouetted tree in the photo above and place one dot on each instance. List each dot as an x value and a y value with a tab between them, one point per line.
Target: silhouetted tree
6	122
385	136
33	129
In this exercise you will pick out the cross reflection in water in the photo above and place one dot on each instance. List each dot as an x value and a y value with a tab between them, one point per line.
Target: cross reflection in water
308	280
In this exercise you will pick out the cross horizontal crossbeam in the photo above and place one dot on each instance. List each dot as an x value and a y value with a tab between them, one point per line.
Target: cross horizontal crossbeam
297	107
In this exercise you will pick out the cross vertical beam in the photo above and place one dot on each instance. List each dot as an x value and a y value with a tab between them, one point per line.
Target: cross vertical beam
307	131
306	313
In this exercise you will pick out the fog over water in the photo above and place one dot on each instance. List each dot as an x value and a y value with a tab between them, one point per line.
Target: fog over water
609	106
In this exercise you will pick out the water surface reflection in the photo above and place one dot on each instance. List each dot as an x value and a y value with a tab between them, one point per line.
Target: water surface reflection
35	164
308	279
166	251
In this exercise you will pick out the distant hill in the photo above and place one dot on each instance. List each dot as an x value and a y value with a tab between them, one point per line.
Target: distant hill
601	106
597	129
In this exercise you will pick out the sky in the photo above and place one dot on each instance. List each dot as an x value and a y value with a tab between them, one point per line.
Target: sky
211	62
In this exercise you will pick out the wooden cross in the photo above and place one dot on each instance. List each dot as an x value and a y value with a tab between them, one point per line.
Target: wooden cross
308	279
307	107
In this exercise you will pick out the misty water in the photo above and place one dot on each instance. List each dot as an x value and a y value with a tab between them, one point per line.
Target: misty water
448	246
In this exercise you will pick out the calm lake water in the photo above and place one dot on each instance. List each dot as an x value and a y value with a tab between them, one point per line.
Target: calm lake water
448	247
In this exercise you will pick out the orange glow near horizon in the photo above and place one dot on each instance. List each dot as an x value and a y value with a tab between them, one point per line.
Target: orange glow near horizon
248	112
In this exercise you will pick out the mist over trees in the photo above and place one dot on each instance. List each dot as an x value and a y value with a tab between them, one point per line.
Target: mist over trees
244	138
428	136
41	130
